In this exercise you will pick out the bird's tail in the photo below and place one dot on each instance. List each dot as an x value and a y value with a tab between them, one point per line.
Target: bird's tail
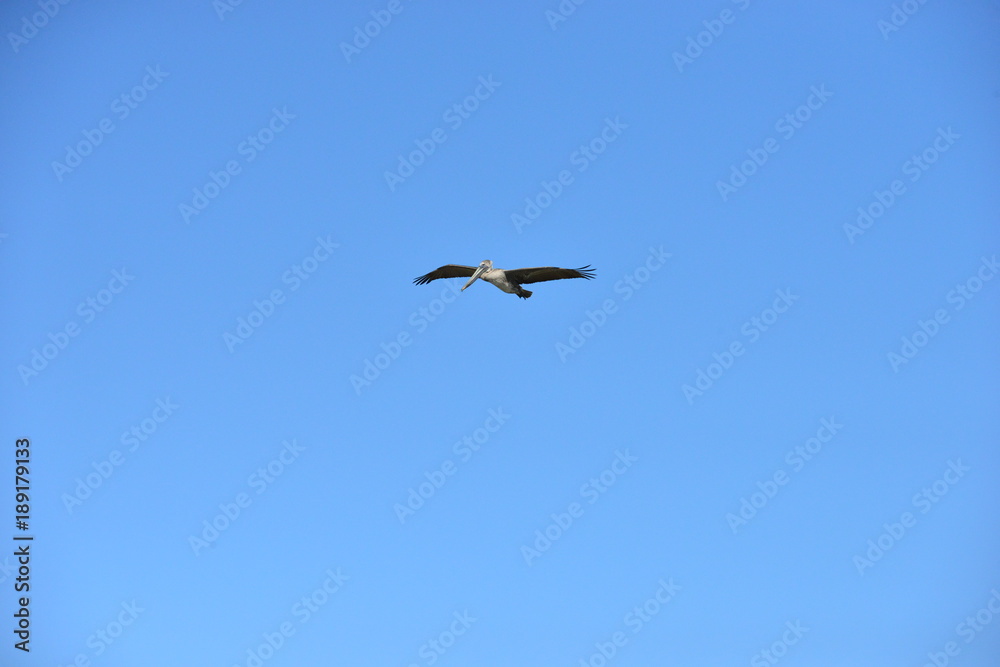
523	293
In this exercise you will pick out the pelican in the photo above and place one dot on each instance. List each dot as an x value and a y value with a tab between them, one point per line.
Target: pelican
509	281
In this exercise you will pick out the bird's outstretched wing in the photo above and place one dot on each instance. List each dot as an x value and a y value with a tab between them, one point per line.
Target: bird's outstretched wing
540	274
447	271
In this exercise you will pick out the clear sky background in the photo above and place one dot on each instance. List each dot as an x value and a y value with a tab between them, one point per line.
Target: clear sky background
765	433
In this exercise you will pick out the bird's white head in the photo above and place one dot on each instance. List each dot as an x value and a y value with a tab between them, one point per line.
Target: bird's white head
484	265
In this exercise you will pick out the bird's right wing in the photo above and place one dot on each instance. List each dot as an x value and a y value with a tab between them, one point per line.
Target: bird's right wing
446	271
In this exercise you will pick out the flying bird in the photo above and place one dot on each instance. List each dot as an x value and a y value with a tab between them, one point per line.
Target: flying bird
509	281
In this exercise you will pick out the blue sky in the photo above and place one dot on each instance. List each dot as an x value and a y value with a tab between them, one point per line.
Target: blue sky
765	433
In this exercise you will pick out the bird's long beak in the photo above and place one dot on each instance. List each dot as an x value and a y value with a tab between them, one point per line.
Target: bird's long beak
474	276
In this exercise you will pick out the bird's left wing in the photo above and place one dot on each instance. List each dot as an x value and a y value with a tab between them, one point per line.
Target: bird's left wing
540	274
